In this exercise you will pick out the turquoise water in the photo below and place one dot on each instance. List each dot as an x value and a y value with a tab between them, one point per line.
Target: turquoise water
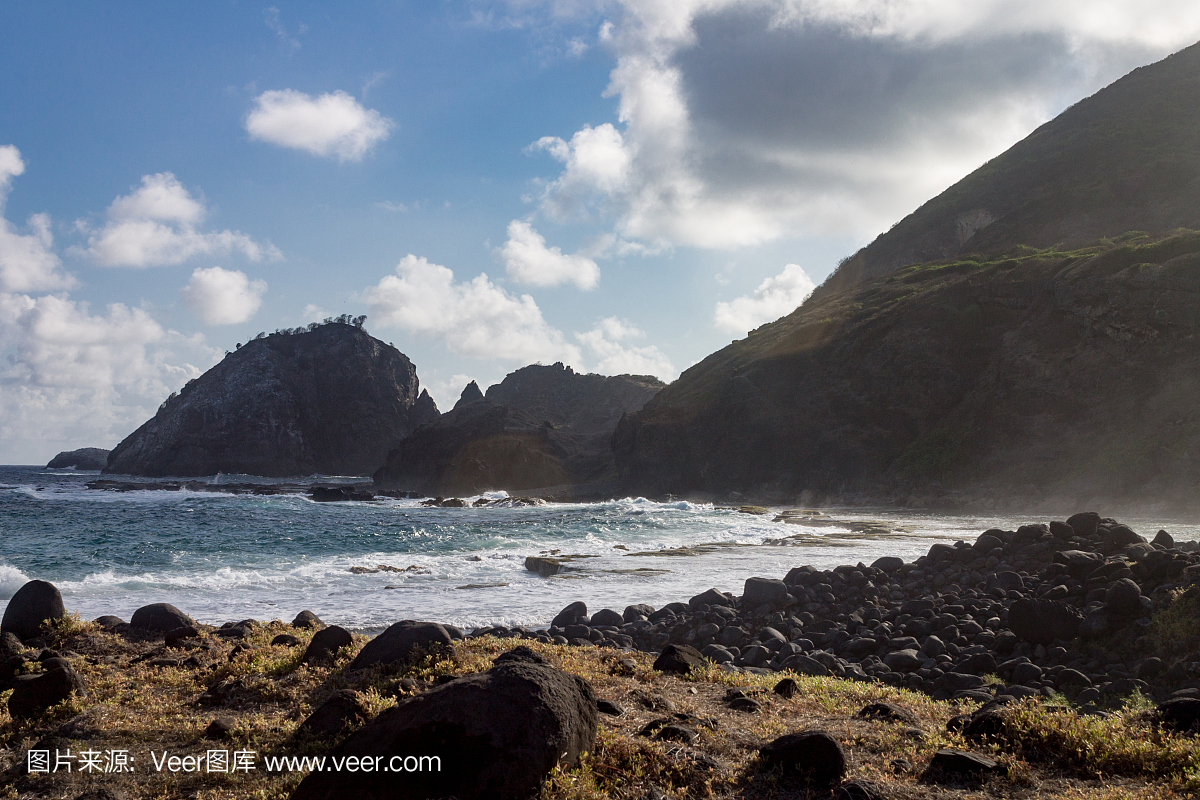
226	557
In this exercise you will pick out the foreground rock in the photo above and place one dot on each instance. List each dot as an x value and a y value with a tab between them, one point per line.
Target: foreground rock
33	604
494	735
330	400
813	757
33	695
401	642
85	458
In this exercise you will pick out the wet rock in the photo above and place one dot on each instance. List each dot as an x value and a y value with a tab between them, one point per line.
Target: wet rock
325	643
307	619
950	766
498	735
679	659
401	642
32	605
343	709
33	695
161	617
812	757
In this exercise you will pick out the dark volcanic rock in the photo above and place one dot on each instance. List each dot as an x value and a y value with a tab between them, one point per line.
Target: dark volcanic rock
325	643
307	619
814	757
498	734
161	617
85	458
471	393
679	658
34	694
1043	621
331	400
33	604
540	427
959	766
343	709
400	642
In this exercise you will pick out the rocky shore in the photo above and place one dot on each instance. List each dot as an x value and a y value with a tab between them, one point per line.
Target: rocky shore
1043	661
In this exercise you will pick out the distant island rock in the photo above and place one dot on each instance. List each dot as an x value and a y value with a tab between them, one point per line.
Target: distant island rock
542	426
85	458
330	399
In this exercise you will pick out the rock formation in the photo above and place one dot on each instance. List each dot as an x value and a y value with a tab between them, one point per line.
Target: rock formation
329	400
541	427
83	458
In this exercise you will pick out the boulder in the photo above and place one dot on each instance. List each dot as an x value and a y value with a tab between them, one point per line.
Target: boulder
1181	715
402	642
889	712
33	604
606	616
1163	540
679	659
813	757
325	643
711	597
343	709
307	619
1124	598
32	695
161	617
888	563
637	610
763	590
1043	621
570	615
907	660
1085	523
497	735
959	766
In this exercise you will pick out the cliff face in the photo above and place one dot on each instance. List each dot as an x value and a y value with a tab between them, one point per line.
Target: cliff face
333	400
83	458
543	426
1126	158
1047	374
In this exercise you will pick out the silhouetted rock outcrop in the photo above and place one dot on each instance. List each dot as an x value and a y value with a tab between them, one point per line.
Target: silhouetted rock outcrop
83	458
330	400
541	427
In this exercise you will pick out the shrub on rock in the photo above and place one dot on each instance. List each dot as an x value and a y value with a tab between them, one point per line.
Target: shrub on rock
32	605
495	735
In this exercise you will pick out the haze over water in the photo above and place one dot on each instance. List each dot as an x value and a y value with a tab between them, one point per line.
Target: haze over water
222	557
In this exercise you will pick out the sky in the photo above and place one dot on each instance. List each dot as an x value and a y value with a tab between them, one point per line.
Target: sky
622	186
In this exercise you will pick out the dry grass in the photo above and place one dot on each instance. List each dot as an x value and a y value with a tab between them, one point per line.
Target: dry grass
137	707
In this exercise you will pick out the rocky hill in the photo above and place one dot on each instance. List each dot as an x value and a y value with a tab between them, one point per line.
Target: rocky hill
330	400
542	426
83	458
1049	376
1126	158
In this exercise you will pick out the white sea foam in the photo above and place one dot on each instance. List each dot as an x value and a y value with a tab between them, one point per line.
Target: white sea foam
11	579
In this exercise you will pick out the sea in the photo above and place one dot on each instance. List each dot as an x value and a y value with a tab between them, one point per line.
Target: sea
364	565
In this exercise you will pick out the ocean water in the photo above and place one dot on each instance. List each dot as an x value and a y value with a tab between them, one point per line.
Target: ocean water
222	557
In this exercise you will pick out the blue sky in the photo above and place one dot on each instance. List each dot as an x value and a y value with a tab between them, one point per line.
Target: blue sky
624	186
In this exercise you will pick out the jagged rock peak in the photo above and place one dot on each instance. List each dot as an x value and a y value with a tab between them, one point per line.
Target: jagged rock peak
330	399
471	393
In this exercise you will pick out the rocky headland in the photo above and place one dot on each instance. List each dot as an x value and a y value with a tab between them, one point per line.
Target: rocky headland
1053	660
542	427
85	458
329	400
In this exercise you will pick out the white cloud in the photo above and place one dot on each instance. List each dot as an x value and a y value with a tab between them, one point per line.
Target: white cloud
155	225
221	296
74	379
314	313
28	262
527	259
742	121
611	355
473	318
333	124
774	298
274	21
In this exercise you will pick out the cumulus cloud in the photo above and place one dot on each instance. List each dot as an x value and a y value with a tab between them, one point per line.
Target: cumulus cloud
473	318
156	225
28	262
741	121
527	259
608	344
221	296
774	298
72	377
329	125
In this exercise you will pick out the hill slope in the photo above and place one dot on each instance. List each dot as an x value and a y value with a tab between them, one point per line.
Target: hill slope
1126	158
332	400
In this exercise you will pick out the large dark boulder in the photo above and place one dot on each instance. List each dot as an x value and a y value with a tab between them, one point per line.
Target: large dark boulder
85	458
1124	598
33	604
33	695
498	734
343	709
813	757
1043	621
161	617
679	659
325	644
571	614
401	642
330	400
758	591
1181	715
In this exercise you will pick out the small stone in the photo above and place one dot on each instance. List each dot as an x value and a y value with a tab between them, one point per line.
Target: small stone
787	688
889	712
220	729
609	707
286	640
